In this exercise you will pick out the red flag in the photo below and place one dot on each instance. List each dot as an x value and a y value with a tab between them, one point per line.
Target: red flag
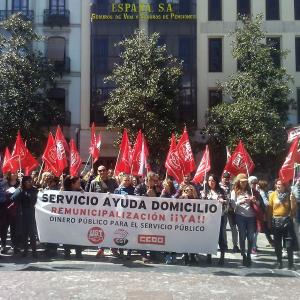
61	139
185	153
95	144
6	167
62	149
21	157
140	155
75	160
204	167
286	173
172	163
124	162
240	161
50	158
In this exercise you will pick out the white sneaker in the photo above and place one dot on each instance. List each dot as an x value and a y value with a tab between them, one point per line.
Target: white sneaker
296	256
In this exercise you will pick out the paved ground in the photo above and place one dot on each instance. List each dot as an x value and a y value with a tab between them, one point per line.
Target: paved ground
113	278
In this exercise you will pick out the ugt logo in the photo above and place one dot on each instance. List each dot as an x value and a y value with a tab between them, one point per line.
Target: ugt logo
52	154
60	150
74	159
239	162
174	161
185	151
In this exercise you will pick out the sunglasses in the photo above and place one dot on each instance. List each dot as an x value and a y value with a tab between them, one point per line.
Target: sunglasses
102	170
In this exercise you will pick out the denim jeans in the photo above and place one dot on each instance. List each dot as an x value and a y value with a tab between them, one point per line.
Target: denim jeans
233	229
247	229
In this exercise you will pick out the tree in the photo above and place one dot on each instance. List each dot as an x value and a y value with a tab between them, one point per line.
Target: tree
260	96
25	77
146	83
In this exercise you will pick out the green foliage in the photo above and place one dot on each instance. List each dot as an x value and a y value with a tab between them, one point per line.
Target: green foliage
260	94
146	87
251	121
25	77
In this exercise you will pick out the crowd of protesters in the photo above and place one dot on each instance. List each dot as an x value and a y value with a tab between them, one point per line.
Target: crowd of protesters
249	206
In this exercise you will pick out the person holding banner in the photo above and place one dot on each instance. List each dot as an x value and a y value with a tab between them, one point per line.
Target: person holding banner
150	187
189	192
281	212
187	180
213	191
125	188
229	213
72	184
25	198
242	200
168	192
102	184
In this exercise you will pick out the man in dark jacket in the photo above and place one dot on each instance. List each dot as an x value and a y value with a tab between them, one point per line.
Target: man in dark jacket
25	198
102	184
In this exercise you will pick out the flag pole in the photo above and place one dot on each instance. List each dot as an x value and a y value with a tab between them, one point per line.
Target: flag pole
40	172
205	171
86	163
294	175
248	177
117	162
20	167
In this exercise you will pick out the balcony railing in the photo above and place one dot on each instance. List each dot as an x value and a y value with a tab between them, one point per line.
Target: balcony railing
56	17
5	14
62	66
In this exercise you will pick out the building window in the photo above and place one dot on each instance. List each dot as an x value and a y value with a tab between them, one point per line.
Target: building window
272	10
20	5
297	9
244	7
215	54
214	10
215	97
56	49
297	50
58	98
57	4
185	51
274	42
56	54
100	52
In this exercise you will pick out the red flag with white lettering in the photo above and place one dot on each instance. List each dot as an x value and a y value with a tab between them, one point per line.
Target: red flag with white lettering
6	166
95	144
286	173
124	162
172	163
75	160
185	153
204	167
50	157
240	161
21	158
62	149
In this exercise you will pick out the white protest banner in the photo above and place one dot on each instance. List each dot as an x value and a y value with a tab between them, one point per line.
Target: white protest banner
129	222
